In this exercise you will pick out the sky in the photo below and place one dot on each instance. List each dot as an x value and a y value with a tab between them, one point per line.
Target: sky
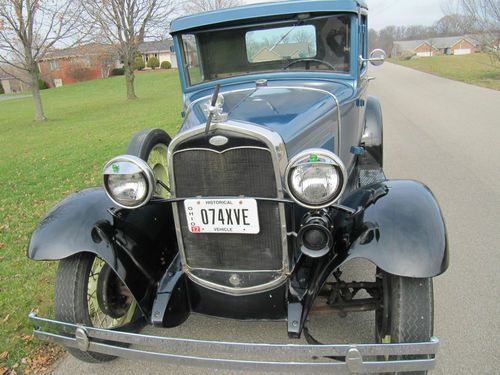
398	12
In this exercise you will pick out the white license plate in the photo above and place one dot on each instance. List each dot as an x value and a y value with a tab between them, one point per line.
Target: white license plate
222	215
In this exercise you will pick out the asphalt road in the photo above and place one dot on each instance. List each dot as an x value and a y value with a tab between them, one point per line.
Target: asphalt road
447	135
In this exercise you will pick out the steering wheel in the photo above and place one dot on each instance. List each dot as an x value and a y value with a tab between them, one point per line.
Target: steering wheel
308	61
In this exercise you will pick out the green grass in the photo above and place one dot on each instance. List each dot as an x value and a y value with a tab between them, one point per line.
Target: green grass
477	69
40	163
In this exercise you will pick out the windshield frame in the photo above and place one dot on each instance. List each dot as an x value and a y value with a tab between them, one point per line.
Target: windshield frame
271	74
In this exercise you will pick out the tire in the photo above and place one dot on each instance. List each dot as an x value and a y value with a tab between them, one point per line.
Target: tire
72	300
410	312
151	146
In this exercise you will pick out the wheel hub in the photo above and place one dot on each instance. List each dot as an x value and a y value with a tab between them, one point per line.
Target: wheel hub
113	297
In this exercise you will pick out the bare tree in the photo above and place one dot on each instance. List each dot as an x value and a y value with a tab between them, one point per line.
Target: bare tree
452	25
124	24
372	39
302	36
28	30
197	6
483	14
483	19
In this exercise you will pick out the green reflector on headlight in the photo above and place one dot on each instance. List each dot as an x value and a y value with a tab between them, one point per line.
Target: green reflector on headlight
115	168
313	158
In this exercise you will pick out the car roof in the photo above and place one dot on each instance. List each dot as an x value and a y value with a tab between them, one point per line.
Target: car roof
255	11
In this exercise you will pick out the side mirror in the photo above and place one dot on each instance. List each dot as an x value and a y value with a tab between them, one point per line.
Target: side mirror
377	57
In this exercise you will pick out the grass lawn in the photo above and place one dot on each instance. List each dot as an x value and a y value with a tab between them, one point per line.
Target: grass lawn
477	69
41	163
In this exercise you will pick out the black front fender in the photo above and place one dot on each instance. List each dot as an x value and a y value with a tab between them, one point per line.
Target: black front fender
137	244
399	228
373	138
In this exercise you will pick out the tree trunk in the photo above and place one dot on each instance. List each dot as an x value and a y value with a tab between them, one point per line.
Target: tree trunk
129	78
37	100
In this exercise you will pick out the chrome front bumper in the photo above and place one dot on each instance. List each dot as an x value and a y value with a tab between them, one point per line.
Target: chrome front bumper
359	358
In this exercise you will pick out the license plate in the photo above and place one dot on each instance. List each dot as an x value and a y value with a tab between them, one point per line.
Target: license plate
222	215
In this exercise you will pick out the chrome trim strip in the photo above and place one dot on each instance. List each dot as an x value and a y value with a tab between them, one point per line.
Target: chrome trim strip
223	151
238	291
255	89
291	358
280	160
241	271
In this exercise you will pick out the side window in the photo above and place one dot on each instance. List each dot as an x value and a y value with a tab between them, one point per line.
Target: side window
363	42
192	66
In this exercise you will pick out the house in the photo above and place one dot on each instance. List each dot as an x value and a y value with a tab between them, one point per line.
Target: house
278	52
163	50
452	45
83	63
11	84
421	48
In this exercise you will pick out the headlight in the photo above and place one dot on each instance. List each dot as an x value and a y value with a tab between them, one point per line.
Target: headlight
128	181
315	178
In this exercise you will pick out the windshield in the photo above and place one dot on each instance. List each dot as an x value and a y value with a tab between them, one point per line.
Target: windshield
310	44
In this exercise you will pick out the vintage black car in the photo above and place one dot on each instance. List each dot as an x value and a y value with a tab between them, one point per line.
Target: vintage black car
273	183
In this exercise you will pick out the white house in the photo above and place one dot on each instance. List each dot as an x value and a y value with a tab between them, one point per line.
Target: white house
12	85
162	50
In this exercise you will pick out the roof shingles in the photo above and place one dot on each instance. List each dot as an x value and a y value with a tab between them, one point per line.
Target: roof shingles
438	43
155	46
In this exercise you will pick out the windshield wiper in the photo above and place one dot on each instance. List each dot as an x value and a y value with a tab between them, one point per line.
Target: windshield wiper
283	37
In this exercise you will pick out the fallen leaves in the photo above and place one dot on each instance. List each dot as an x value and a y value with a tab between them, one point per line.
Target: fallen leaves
42	360
27	338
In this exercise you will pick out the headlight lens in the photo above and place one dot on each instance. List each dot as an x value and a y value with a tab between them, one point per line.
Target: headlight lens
316	178
128	181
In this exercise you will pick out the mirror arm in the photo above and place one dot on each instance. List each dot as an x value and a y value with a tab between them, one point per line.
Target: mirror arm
370	59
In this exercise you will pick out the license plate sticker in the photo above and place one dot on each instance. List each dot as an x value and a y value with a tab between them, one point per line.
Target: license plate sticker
237	216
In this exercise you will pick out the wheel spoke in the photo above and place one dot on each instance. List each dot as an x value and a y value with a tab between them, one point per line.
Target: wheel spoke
97	316
157	160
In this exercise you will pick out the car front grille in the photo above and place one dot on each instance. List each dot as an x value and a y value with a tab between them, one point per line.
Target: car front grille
232	172
248	164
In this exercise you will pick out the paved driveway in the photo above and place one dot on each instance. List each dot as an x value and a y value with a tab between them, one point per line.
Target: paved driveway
4	98
446	134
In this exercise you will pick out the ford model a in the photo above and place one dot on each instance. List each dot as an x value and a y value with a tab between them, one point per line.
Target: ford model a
273	183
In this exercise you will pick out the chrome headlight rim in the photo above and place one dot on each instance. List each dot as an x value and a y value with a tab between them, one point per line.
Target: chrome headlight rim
144	168
334	161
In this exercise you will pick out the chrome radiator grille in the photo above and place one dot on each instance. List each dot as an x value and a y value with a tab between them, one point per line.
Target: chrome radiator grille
237	171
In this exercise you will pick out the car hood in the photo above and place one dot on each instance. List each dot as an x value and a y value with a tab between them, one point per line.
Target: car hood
303	115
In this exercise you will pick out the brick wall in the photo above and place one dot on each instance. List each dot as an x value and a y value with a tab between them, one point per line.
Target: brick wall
426	48
464	44
70	70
